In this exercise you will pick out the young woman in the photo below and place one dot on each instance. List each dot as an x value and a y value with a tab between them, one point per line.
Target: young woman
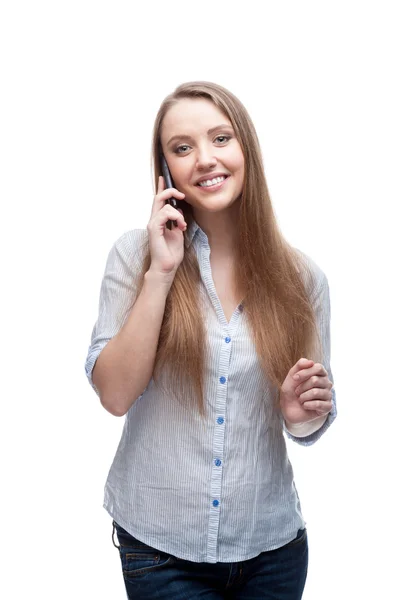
213	337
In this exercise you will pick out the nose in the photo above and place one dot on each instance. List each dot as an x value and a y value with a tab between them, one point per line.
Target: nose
205	158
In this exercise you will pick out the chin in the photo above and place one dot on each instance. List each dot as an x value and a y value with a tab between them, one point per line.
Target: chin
211	204
214	207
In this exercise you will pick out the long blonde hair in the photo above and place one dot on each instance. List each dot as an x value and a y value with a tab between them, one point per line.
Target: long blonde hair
277	303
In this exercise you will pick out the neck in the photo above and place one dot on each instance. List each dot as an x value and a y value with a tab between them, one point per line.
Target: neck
220	228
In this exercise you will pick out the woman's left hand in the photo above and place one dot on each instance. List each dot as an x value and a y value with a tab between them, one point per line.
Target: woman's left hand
306	392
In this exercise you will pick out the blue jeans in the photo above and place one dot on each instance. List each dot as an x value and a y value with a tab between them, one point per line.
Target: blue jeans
275	575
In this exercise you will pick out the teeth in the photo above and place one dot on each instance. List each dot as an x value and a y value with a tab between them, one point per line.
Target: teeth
212	181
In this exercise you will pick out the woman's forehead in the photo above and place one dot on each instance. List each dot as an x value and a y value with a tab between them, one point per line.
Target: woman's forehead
190	115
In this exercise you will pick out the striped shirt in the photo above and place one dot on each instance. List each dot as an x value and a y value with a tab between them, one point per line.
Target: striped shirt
216	491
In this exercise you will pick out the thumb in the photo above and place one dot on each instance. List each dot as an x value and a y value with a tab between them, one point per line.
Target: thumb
303	363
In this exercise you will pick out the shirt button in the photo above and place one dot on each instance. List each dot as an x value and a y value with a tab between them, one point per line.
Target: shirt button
227	340
240	307
218	462
222	380
220	420
215	503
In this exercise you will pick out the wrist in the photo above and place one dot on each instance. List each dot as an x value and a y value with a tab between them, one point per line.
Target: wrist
159	280
314	419
306	428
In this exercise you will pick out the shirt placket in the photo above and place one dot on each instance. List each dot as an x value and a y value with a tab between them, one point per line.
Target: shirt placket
218	450
227	333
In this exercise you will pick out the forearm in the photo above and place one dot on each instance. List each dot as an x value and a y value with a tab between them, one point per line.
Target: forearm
125	365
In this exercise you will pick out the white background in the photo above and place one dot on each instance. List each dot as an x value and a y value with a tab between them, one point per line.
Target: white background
81	83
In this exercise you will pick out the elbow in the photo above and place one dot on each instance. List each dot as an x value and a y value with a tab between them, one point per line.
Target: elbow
116	402
120	407
112	407
107	399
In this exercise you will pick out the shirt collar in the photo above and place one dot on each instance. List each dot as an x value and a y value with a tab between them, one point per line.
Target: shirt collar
194	230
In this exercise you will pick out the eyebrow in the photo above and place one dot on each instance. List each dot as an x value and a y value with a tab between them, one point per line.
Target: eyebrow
188	137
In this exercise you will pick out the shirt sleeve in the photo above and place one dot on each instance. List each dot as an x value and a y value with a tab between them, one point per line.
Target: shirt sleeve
304	429
117	293
323	315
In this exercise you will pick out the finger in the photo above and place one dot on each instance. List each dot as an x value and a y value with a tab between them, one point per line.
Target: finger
183	223
161	199
304	374
161	184
167	193
301	364
320	406
167	213
156	205
171	193
316	381
315	394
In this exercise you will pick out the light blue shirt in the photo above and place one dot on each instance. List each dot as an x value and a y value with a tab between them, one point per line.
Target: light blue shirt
219	491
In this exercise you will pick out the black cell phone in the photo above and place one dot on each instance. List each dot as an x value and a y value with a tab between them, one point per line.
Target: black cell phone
168	183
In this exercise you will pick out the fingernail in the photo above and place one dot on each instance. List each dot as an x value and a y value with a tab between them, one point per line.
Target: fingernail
296	377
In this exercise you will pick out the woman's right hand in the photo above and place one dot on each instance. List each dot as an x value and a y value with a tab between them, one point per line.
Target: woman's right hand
166	245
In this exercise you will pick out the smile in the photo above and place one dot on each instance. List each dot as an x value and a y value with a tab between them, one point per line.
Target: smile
212	184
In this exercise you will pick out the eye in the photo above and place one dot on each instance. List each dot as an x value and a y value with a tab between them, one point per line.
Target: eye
223	138
181	149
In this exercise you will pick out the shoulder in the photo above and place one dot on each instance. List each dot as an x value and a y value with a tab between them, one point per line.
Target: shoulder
313	275
132	244
132	241
128	251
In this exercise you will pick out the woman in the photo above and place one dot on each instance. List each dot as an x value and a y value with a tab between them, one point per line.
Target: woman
212	338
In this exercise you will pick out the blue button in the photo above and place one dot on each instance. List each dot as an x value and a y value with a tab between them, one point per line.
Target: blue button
222	380
227	340
215	503
218	462
220	420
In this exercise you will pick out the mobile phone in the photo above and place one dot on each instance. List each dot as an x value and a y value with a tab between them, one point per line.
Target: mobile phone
168	183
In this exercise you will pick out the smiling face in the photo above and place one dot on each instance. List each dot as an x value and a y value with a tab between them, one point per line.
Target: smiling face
203	154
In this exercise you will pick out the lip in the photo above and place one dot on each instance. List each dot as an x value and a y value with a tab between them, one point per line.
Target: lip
213	188
210	176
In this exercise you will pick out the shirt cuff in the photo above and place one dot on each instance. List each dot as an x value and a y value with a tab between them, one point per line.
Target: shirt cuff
305	429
